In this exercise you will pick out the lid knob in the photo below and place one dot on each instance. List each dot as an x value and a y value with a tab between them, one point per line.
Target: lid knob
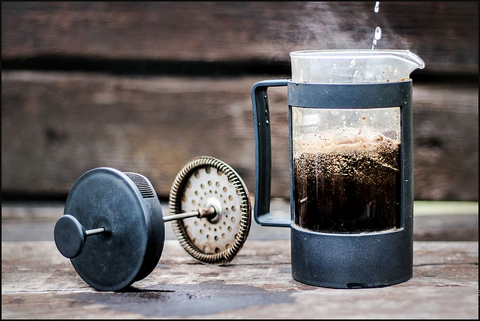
70	235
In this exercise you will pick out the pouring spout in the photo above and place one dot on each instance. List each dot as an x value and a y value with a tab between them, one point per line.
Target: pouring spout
410	61
415	60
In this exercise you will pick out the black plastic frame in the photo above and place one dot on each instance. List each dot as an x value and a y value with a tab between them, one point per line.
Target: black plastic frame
360	260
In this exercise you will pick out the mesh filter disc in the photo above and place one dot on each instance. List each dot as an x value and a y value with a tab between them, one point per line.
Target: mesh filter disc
203	182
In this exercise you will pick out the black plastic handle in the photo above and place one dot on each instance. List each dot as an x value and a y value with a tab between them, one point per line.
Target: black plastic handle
263	154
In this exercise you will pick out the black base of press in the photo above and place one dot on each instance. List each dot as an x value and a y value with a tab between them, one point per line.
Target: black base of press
348	261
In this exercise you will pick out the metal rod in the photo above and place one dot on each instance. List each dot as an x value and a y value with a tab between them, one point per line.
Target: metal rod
202	212
180	216
95	231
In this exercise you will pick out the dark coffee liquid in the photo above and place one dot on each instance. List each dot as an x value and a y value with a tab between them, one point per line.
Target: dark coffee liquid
348	190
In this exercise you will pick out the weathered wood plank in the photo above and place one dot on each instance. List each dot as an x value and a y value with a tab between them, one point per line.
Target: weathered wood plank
445	141
444	34
37	282
57	126
36	221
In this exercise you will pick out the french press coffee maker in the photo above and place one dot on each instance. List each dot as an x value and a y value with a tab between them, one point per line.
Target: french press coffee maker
351	166
113	232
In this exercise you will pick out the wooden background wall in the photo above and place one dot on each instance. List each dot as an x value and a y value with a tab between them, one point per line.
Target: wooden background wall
147	86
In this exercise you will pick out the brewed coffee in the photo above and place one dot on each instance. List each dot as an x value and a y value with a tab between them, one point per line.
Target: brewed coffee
348	185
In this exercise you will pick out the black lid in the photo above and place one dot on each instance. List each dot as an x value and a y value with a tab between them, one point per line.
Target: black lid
133	222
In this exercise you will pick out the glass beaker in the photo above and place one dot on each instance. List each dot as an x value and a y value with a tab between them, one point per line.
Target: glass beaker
346	173
346	161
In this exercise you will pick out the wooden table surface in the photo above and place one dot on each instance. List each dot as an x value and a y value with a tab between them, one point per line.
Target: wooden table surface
37	282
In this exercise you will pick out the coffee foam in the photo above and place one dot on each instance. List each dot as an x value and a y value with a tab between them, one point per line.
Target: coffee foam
344	141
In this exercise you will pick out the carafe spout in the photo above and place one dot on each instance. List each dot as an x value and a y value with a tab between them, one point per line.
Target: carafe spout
408	61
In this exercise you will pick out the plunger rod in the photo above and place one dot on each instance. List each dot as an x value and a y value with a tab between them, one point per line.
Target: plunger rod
201	212
94	231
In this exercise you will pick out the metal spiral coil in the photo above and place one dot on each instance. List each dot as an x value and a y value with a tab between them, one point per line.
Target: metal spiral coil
178	191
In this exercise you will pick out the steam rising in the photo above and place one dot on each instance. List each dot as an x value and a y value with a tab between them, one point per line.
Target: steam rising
344	25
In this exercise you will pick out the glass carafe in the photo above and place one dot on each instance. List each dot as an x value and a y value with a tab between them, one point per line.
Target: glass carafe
351	166
346	173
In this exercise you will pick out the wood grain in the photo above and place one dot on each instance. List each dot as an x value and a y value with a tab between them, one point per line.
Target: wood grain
56	126
444	34
35	221
37	282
